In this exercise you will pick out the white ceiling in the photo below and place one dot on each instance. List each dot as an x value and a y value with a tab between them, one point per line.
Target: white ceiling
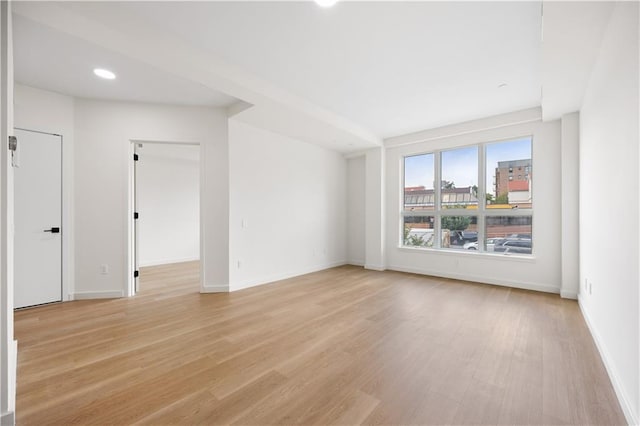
52	60
344	77
392	67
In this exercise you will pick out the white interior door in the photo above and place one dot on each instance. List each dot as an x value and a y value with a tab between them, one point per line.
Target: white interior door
38	219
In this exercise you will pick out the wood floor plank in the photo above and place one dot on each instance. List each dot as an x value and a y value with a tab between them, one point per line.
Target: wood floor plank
342	346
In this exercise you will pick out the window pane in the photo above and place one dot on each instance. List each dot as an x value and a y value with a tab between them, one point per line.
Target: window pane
459	186
418	182
459	232
418	231
508	234
506	189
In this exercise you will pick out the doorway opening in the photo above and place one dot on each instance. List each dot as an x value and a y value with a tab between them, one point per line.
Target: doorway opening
165	227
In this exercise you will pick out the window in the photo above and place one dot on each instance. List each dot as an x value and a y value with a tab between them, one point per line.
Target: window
418	231
459	181
505	232
454	215
418	182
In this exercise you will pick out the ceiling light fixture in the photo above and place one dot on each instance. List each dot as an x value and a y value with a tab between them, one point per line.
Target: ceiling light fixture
502	85
106	74
326	3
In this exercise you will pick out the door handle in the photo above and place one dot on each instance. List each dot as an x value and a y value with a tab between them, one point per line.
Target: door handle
54	230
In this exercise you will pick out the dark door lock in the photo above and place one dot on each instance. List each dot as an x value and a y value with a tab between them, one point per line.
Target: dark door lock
53	230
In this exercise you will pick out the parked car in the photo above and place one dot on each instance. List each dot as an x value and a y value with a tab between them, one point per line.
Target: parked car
491	242
471	246
519	237
519	246
460	238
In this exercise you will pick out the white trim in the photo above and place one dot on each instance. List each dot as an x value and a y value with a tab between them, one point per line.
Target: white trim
13	357
545	288
356	262
625	402
471	253
162	142
215	289
237	108
565	294
355	154
375	267
86	295
129	280
277	277
467	127
7	358
8	419
158	262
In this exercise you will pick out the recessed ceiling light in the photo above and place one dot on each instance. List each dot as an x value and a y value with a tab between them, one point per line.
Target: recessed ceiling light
102	73
326	3
502	85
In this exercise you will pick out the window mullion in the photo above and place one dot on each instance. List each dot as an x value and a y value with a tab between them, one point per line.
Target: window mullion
481	196
437	197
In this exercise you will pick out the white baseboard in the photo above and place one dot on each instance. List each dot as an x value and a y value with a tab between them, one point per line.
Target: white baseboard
356	262
546	288
85	295
625	404
13	367
374	267
277	277
569	294
158	262
215	289
8	419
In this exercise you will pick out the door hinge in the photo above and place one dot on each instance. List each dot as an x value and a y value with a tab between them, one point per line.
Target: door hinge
135	157
136	215
13	143
135	274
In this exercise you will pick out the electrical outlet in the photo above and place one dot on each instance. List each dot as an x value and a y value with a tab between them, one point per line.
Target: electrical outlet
104	269
590	288
239	264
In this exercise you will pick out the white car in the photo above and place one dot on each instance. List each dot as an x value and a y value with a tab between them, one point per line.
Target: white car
491	242
471	246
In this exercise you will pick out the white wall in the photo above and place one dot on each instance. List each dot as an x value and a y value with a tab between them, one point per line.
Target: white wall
8	348
291	198
374	239
541	272
103	131
168	197
356	210
570	186
50	112
609	214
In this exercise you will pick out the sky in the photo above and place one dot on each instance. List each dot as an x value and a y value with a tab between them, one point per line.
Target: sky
461	165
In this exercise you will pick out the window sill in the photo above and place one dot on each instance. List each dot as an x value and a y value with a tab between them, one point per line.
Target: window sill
468	253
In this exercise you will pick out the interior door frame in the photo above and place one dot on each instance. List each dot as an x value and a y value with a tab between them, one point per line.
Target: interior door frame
64	222
130	250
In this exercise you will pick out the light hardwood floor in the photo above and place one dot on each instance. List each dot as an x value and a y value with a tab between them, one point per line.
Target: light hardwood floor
341	346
